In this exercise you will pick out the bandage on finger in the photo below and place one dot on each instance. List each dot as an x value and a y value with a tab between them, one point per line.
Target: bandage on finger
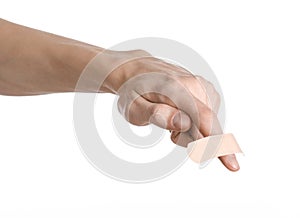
210	147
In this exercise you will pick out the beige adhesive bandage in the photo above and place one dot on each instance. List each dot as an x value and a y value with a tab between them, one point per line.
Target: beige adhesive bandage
210	147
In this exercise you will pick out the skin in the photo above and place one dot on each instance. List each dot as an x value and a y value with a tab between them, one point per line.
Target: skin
151	90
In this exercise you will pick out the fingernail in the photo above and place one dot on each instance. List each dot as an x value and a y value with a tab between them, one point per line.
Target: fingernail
234	164
181	121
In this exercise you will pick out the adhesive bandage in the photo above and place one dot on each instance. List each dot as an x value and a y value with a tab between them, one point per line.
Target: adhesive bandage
210	147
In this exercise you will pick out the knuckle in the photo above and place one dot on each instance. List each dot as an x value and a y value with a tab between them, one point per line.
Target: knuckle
174	81
212	88
208	114
141	52
215	96
218	97
154	109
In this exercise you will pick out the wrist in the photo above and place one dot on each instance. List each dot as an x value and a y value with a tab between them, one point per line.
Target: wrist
121	66
101	70
70	58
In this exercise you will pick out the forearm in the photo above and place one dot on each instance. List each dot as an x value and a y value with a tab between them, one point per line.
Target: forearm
34	62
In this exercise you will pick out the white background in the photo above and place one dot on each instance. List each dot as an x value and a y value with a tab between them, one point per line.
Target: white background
253	48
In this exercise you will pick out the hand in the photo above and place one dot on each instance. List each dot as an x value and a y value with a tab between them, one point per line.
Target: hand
151	90
169	96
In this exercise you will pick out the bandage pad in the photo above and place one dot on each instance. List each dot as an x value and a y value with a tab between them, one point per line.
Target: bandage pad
210	147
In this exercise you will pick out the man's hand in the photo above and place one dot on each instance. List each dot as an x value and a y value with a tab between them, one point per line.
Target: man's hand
169	96
33	62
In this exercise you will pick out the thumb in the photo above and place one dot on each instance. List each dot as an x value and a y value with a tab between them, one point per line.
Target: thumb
170	118
142	112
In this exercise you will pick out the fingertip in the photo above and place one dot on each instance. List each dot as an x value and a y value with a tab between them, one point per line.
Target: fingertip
230	162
